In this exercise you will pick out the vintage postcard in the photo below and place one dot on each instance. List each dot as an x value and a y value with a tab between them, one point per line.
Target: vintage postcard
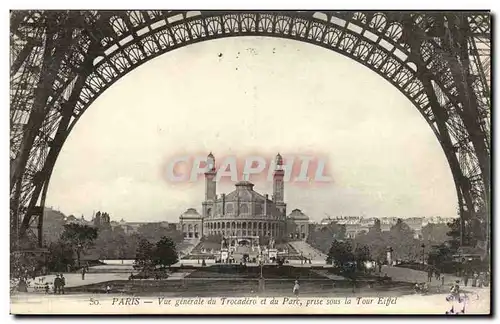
250	162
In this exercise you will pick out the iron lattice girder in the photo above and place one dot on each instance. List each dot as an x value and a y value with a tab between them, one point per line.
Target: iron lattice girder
473	145
118	41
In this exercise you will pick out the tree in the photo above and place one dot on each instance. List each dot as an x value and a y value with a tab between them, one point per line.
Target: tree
376	228
53	225
59	257
144	256
436	233
115	244
441	257
322	236
401	230
165	253
104	245
376	240
361	255
122	243
79	237
340	253
155	231
402	241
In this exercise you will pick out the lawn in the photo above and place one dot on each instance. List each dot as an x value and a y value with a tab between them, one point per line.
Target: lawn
269	272
236	280
239	287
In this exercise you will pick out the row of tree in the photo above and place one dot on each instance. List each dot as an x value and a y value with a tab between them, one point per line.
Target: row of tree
78	240
64	254
321	237
69	243
400	237
112	242
436	245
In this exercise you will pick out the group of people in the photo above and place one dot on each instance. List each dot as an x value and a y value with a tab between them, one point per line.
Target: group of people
421	288
436	273
477	279
59	283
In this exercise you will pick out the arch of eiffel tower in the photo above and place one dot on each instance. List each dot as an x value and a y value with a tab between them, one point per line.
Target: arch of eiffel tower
61	61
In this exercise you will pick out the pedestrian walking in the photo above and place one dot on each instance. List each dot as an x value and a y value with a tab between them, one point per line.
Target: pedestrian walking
63	283
429	275
416	288
57	284
465	278
83	273
455	288
454	296
296	288
22	285
474	279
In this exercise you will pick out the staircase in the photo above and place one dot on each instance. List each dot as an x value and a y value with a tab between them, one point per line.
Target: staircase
308	251
187	246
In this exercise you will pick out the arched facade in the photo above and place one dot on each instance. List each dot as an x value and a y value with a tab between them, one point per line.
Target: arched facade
408	49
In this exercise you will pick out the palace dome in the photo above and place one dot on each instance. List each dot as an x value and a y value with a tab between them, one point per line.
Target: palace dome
244	193
190	213
298	215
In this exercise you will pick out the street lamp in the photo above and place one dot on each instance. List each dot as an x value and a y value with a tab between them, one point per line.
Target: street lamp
423	253
261	279
78	249
261	261
389	256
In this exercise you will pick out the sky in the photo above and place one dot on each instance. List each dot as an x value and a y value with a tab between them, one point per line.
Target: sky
245	96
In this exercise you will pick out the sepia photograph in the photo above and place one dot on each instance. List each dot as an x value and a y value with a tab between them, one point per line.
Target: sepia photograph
250	162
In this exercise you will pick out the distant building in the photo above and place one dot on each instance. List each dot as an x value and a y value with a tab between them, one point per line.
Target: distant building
101	220
191	224
326	221
356	224
133	227
298	225
416	224
73	220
